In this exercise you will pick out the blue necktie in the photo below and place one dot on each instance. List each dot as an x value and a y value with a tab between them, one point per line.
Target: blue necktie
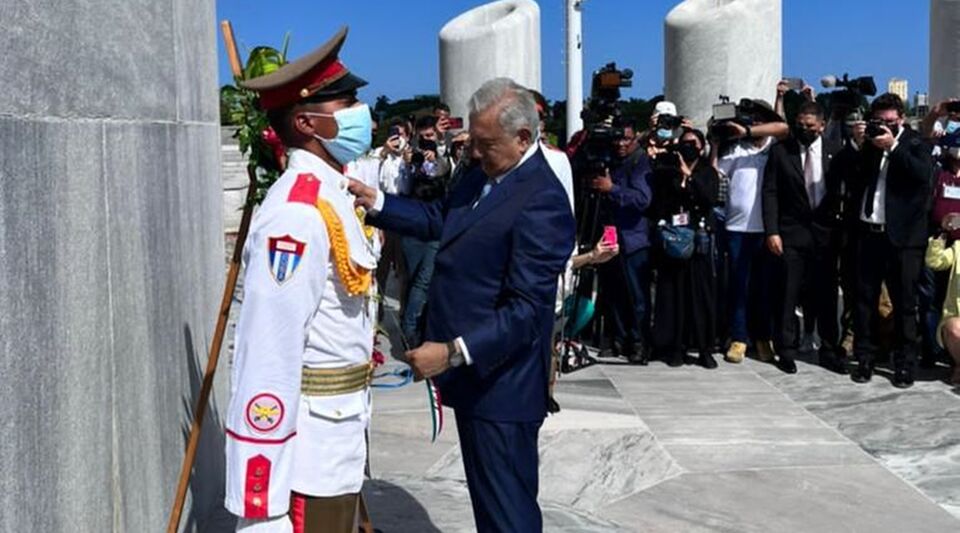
487	187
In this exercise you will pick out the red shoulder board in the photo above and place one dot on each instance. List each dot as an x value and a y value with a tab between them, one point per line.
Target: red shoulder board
305	190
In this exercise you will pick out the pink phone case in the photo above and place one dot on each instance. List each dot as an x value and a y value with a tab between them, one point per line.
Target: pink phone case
610	235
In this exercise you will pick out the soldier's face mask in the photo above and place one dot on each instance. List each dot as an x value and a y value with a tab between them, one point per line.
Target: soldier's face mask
354	131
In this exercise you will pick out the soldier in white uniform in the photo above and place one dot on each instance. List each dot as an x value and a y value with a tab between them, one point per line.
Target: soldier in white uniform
296	423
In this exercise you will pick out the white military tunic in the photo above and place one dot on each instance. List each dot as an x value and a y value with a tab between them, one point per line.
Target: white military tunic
296	312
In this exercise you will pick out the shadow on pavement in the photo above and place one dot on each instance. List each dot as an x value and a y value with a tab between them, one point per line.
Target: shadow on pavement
394	510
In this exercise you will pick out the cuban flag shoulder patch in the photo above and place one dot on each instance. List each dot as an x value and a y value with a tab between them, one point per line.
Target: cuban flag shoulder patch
286	254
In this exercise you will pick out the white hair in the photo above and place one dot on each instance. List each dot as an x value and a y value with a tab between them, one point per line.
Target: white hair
518	107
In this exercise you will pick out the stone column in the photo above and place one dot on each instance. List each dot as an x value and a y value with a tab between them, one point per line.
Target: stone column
499	39
111	253
728	47
944	50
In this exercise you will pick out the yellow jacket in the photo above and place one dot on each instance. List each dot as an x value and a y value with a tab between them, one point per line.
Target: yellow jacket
939	257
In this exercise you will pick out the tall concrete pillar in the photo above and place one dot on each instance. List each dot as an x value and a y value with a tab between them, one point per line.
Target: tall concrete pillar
728	47
944	50
111	249
499	39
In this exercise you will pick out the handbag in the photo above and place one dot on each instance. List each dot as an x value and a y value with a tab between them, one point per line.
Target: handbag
677	241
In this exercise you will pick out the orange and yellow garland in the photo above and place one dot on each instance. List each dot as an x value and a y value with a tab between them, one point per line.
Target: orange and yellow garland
355	279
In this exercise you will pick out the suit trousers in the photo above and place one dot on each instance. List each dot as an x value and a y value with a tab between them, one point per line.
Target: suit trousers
878	260
501	461
811	270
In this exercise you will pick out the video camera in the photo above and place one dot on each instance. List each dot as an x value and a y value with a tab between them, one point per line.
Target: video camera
846	104
725	114
602	117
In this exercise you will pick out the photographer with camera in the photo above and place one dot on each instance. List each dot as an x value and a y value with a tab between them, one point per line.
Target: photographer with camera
394	158
429	177
685	188
744	135
625	196
895	189
801	214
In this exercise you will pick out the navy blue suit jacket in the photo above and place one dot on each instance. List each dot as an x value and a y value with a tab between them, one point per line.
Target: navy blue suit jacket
494	284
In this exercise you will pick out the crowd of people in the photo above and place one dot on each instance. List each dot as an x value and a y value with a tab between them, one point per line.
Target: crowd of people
759	236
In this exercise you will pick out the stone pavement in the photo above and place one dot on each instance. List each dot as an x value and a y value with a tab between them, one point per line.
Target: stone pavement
743	448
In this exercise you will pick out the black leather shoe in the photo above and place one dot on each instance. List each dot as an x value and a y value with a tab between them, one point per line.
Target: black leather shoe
902	377
638	357
552	405
706	360
836	363
786	365
675	359
863	373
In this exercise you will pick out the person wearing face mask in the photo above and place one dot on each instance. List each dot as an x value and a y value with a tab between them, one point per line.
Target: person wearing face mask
801	213
297	419
893	193
741	161
686	193
943	251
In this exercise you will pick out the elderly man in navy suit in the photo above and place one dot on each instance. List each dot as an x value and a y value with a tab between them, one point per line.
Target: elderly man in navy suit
506	231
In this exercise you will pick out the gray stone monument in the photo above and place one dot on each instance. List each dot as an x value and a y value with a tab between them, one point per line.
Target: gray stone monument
714	47
944	50
111	253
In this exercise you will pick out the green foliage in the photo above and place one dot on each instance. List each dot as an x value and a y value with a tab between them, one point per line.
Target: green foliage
238	108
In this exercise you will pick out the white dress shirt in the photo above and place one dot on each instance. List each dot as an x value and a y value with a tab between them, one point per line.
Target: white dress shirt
879	215
818	186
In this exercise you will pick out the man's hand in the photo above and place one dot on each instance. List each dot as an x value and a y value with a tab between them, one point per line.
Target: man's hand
392	145
602	183
366	196
859	132
429	360
808	93
429	155
782	88
885	141
443	125
775	245
739	130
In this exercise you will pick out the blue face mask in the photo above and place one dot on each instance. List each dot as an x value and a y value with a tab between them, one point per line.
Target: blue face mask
354	132
665	134
952	127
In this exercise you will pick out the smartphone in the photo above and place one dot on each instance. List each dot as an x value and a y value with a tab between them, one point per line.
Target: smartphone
610	235
953	107
456	123
394	131
795	84
723	112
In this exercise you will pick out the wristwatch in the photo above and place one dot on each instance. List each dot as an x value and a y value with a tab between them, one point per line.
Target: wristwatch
456	356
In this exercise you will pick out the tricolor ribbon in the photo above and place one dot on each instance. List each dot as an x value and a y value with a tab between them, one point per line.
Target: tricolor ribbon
436	409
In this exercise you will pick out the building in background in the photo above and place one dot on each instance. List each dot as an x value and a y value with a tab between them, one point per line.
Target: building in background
899	87
921	104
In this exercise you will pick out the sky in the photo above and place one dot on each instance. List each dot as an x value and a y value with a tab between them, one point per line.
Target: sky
393	44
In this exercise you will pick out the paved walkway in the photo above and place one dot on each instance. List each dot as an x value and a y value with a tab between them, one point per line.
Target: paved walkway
655	449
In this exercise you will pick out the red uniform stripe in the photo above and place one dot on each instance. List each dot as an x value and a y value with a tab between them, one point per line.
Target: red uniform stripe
298	510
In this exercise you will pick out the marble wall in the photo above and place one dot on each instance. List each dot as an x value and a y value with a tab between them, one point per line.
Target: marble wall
944	50
111	249
494	40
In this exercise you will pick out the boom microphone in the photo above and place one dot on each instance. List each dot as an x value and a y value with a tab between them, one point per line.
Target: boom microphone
828	82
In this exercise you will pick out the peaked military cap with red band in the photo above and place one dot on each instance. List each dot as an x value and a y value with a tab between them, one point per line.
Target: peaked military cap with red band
316	76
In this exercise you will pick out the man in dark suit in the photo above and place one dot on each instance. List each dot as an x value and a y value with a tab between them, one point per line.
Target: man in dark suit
506	232
801	209
893	195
